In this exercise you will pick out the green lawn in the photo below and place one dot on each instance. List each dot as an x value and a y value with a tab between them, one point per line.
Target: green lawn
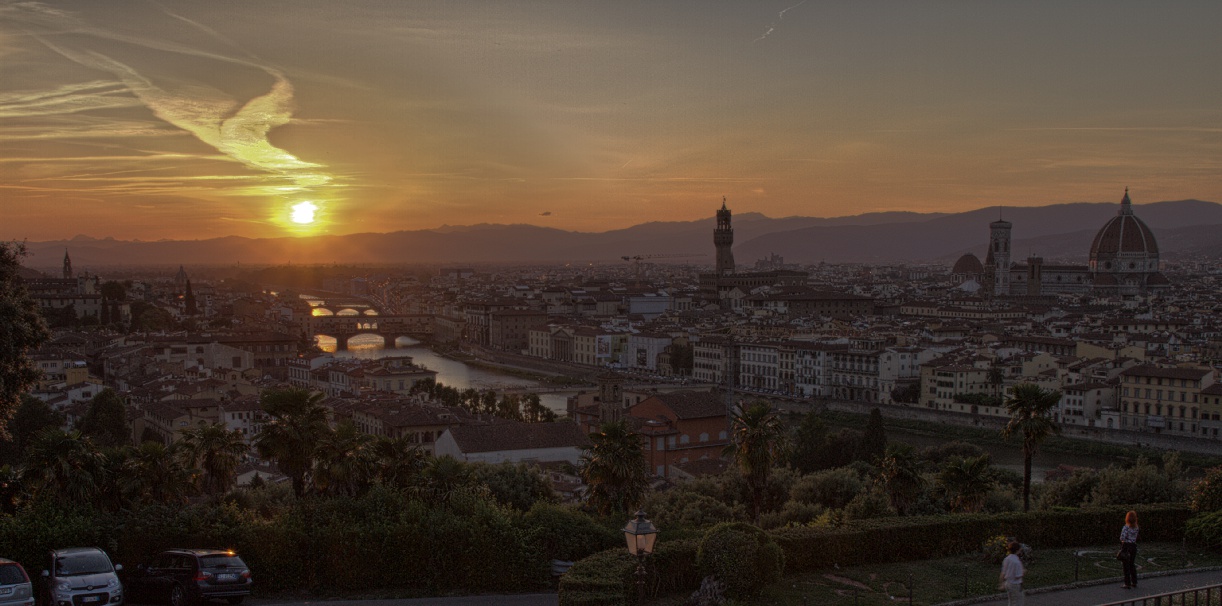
947	579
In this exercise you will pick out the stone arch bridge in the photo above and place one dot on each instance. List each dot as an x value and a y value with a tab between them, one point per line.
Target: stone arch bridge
342	328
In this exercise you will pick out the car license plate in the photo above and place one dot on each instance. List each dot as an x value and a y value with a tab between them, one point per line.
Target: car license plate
226	578
90	598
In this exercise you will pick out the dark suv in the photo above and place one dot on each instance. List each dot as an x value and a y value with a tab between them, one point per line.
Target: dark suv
182	576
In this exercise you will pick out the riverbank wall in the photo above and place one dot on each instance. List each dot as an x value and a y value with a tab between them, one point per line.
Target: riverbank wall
1108	436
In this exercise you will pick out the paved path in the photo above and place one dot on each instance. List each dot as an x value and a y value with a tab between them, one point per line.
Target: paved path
532	599
1112	591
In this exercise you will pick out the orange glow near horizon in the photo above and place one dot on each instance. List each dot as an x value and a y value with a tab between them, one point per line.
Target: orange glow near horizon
195	120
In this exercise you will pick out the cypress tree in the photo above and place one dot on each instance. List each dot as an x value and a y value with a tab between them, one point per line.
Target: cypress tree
874	440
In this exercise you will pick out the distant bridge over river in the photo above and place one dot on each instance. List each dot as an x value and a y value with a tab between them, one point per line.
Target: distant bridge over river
342	328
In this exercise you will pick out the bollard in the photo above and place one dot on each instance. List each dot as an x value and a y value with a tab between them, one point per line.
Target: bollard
965	580
1077	559
909	590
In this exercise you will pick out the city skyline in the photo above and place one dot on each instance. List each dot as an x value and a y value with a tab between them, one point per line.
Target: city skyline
185	120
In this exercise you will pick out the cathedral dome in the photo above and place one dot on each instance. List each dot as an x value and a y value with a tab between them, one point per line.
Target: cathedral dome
1124	244
968	264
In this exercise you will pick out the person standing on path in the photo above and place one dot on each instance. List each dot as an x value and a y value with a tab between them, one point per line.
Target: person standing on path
1012	575
1128	549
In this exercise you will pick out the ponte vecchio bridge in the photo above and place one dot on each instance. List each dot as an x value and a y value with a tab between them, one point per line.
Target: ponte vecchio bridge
346	317
342	328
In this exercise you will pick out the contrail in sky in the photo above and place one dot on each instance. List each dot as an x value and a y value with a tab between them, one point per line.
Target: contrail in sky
779	16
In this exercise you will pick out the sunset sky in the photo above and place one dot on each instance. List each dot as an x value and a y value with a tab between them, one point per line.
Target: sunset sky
199	119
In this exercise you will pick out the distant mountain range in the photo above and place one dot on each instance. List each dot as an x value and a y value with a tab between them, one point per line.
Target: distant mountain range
1061	232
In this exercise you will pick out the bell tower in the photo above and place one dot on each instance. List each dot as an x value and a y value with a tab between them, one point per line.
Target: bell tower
610	397
723	239
67	266
998	260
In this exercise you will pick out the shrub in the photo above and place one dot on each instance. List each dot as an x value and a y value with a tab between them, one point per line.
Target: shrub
561	532
607	578
944	452
1206	493
833	488
679	508
1142	483
742	556
793	513
869	504
1002	499
1072	490
1205	529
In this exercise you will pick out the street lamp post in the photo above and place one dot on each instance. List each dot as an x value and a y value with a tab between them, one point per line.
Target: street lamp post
640	535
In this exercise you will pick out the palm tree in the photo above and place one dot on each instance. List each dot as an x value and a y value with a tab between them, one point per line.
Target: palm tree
613	468
64	465
967	481
346	461
1030	411
10	488
298	423
444	477
399	461
216	452
899	474
152	473
758	443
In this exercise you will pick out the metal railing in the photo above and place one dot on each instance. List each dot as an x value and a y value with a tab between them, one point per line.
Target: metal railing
1200	596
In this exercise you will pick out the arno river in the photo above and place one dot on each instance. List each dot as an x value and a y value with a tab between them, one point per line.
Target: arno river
462	376
449	372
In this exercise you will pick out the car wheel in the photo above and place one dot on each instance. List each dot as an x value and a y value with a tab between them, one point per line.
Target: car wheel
178	597
237	599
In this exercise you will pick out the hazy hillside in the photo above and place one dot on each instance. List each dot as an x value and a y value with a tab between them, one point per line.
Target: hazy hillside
1059	231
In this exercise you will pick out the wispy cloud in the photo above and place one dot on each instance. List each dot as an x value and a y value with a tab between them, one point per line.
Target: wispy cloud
779	16
237	128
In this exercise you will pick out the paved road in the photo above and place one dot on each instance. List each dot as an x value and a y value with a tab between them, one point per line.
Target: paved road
533	599
1112	591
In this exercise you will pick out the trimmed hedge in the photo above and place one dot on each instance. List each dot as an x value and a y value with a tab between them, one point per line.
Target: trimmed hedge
383	541
606	578
929	537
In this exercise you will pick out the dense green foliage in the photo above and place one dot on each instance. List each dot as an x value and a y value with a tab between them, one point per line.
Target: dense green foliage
742	556
22	329
1205	529
606	577
1206	493
384	540
874	439
32	416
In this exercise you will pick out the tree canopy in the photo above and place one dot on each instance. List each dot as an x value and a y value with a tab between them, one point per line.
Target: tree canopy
22	329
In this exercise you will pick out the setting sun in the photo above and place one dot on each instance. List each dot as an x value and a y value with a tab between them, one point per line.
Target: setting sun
303	213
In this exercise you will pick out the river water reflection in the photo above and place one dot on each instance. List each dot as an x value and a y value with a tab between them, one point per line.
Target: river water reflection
450	372
457	374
